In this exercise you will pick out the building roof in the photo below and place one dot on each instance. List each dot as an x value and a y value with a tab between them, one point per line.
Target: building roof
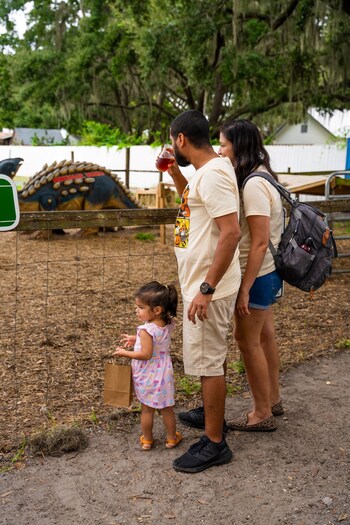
335	125
46	137
5	135
338	123
285	127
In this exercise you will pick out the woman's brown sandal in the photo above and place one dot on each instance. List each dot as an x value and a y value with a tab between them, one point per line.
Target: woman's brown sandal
241	423
172	443
146	444
277	409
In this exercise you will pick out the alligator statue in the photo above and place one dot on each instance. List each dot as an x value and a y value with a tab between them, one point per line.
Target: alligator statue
10	167
69	185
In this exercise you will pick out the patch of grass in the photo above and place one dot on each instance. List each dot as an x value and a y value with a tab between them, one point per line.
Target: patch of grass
148	237
237	366
342	227
58	441
93	417
189	386
17	458
343	343
300	356
231	390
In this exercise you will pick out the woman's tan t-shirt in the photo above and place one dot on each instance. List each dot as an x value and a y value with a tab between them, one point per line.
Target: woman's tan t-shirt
260	198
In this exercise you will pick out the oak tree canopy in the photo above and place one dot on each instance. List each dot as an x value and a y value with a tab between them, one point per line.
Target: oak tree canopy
135	64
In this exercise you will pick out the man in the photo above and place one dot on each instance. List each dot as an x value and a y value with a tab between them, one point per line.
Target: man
206	238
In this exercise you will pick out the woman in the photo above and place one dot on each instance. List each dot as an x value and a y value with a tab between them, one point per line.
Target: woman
261	221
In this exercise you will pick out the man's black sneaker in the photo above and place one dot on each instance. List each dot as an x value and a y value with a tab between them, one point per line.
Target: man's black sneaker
195	418
202	455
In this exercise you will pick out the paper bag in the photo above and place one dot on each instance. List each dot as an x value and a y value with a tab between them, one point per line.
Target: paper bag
118	385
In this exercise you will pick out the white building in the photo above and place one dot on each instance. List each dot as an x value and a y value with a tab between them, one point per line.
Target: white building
316	128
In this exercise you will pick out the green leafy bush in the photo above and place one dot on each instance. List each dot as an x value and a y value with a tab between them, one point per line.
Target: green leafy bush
98	134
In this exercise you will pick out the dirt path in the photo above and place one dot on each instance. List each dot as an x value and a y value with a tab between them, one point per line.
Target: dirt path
298	475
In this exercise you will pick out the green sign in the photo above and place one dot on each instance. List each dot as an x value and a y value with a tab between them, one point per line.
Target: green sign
9	209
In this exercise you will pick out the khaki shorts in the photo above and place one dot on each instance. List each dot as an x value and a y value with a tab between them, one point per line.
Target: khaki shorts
204	343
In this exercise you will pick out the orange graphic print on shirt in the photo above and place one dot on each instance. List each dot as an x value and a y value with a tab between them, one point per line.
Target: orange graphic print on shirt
182	224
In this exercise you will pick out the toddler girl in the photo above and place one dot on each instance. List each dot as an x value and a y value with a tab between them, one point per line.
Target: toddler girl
152	370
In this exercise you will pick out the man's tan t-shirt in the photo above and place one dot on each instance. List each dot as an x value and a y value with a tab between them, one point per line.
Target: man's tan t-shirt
212	192
260	198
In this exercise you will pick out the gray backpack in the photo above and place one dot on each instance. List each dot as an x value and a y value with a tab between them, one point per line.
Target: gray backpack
307	247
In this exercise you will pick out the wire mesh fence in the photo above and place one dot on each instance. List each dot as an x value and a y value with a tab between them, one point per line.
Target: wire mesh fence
66	299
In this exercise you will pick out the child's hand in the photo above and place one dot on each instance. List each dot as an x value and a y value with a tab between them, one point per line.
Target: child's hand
120	352
128	340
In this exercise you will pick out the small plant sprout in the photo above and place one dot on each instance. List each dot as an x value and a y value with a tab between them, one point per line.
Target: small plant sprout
142	236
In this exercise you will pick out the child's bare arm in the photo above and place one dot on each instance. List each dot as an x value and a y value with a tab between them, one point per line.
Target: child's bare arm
144	354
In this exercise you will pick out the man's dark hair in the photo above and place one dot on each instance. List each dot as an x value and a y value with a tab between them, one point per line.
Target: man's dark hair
194	126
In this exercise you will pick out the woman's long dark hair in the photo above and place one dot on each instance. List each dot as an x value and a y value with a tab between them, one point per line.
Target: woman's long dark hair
248	149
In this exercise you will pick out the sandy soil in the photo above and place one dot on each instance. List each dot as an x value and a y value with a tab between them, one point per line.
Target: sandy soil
298	475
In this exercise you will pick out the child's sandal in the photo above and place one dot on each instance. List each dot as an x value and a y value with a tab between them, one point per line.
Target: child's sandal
145	444
172	443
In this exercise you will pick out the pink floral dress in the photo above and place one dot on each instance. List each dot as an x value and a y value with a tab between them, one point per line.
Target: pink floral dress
154	379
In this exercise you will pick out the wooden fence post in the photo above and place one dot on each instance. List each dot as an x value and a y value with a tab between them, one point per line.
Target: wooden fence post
160	203
127	167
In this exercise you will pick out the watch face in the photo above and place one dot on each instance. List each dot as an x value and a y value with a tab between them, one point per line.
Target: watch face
204	288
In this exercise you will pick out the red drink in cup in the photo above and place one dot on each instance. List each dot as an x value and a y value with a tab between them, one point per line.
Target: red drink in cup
165	159
162	163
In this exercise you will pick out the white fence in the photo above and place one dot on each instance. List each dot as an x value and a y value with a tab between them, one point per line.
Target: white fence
284	159
311	158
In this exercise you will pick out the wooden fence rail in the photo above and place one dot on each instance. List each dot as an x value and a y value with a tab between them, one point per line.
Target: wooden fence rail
31	221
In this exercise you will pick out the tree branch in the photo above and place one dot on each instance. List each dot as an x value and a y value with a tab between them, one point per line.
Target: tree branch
131	108
285	15
220	43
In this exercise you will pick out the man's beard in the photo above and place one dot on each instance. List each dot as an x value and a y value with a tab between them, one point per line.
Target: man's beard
180	159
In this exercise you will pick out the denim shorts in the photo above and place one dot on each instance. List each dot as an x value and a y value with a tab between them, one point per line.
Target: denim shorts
264	290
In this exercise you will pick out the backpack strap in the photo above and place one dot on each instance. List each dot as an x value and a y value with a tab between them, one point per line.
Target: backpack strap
279	187
281	190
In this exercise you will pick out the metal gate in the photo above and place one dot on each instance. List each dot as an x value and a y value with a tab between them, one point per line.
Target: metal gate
333	187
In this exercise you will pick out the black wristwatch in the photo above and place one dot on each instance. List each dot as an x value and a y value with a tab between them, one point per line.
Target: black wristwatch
206	289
